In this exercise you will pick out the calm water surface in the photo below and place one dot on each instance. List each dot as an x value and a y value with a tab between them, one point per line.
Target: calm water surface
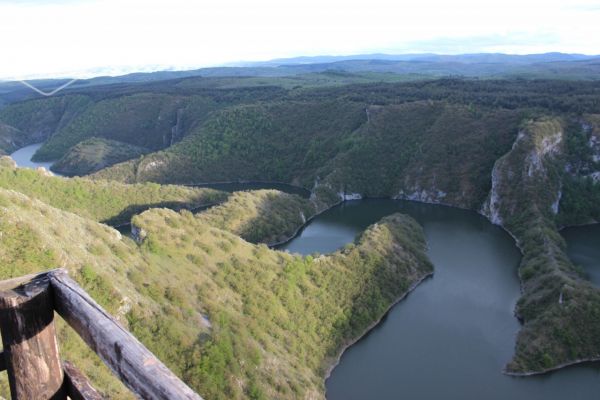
23	157
583	247
453	335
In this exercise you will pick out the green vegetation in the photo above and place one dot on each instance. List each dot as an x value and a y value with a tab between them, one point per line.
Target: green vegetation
109	202
144	120
36	120
345	144
94	154
9	139
559	309
215	308
240	142
530	147
580	200
266	216
580	203
435	151
446	150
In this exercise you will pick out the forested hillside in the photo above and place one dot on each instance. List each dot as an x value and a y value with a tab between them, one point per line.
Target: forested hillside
215	308
109	202
526	153
261	216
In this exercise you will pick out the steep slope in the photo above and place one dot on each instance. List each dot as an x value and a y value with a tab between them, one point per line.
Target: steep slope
277	142
426	151
446	141
153	121
266	216
418	150
37	237
580	200
109	202
10	139
93	154
559	309
37	120
218	310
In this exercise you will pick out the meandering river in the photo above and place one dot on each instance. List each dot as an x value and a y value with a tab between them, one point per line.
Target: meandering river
452	336
23	157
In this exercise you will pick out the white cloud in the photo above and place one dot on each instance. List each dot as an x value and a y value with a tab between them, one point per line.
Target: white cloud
80	37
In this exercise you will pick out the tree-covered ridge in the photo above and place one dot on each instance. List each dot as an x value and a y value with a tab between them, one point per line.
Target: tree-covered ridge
580	202
560	310
144	116
256	297
409	148
93	154
11	139
285	141
428	151
110	202
260	216
433	141
156	115
222	317
153	121
36	120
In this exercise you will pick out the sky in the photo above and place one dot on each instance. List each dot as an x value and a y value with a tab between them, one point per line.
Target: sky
83	38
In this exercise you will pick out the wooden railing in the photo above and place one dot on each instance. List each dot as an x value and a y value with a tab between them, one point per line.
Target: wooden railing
31	356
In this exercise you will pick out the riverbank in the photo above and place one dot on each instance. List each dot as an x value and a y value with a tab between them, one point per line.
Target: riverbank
521	273
373	325
553	369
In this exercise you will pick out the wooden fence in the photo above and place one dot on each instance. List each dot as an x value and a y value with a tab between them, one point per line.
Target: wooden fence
31	356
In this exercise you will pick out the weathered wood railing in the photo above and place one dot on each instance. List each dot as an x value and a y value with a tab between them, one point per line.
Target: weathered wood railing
31	356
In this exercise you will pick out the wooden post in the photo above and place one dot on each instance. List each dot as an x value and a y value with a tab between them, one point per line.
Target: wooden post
30	346
2	361
77	385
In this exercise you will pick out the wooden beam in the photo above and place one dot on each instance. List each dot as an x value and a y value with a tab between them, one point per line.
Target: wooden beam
135	365
77	385
2	361
29	338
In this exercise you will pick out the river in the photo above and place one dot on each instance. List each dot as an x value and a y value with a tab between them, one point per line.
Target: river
452	336
583	247
23	157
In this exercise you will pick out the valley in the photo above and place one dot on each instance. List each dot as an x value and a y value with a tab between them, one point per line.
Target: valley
522	153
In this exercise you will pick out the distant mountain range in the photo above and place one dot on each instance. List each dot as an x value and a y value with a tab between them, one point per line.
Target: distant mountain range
413	66
480	58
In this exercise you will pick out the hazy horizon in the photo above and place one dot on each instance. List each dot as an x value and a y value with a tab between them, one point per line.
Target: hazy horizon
85	38
112	72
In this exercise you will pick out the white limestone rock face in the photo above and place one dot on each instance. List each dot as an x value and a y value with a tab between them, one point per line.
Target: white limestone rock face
8	161
349	196
152	165
514	169
433	196
138	234
491	208
43	171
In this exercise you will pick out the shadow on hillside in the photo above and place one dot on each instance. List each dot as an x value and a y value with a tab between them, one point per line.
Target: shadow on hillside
123	219
279	217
